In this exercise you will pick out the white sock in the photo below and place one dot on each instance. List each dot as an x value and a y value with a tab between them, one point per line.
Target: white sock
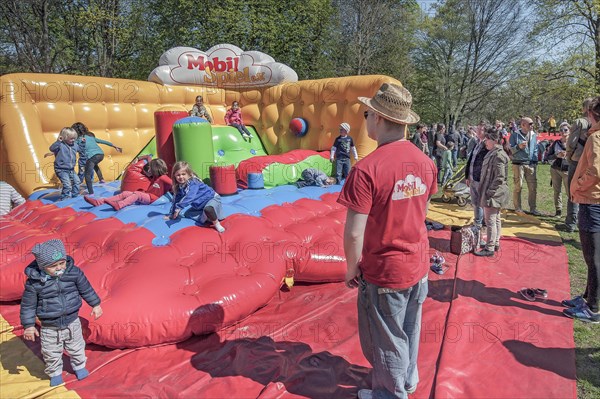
218	226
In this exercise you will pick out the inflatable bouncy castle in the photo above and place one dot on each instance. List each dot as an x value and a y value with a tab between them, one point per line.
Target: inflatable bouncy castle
164	281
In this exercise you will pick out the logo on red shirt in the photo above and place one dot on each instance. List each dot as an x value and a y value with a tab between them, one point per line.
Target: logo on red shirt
411	186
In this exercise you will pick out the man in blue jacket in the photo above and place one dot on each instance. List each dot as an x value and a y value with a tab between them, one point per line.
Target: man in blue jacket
524	148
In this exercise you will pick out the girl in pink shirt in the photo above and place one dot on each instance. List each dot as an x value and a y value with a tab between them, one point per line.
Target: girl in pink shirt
233	117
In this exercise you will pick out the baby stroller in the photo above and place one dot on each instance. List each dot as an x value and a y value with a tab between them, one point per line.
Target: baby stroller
457	188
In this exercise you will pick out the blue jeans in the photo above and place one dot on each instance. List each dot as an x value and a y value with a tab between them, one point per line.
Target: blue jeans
242	129
342	168
572	208
70	183
455	156
389	327
475	200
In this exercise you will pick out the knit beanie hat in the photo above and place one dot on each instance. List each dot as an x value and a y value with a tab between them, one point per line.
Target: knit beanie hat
345	126
49	252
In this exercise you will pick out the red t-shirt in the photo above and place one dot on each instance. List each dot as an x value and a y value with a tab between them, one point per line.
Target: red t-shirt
159	187
392	186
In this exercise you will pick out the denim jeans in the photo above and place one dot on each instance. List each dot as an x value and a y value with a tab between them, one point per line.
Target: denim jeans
475	200
590	244
455	157
572	208
389	327
342	168
242	129
70	183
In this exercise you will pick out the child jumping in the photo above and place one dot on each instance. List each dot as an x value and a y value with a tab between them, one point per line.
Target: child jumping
156	170
233	117
340	152
53	293
94	155
65	157
194	199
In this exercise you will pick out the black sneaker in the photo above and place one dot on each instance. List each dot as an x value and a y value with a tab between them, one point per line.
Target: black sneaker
566	228
558	213
484	252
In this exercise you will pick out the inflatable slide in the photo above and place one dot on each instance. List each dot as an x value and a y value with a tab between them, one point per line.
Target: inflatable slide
163	281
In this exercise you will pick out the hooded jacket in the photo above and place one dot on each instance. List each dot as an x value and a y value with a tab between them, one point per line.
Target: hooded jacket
585	187
55	300
65	155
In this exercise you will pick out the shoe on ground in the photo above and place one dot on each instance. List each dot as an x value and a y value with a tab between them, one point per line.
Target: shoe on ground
92	201
575	302
102	181
115	204
82	373
365	394
484	252
437	268
56	380
583	313
496	248
558	213
519	212
566	228
535	213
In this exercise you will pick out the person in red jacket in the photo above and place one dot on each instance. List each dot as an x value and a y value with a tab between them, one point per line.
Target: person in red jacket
160	184
233	117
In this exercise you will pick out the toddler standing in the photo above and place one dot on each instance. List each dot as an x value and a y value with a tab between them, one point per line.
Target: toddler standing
194	199
53	293
65	157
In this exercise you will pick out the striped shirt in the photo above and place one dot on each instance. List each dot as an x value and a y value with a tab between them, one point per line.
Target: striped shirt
9	198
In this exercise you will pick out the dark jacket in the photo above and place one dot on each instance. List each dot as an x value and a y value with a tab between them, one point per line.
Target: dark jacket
493	187
55	300
65	156
477	161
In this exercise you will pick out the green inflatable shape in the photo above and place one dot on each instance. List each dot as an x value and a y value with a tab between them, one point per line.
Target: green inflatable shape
279	174
231	148
193	143
203	145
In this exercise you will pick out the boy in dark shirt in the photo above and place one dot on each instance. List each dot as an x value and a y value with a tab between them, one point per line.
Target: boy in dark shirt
340	152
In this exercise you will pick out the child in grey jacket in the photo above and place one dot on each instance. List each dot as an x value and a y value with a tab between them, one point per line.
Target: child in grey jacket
53	293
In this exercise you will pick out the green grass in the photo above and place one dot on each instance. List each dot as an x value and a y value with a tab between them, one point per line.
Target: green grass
587	336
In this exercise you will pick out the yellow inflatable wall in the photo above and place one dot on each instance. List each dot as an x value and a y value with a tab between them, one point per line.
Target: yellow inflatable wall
34	107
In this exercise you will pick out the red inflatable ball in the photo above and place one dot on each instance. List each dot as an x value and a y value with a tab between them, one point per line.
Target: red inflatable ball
299	127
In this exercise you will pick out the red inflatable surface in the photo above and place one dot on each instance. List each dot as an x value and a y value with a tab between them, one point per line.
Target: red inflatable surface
479	339
199	283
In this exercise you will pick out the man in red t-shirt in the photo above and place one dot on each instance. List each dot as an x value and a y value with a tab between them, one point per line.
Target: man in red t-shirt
386	243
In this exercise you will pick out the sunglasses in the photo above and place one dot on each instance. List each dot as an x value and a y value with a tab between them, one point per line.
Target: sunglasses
366	114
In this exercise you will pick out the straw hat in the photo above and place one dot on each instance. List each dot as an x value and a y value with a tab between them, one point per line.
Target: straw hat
392	102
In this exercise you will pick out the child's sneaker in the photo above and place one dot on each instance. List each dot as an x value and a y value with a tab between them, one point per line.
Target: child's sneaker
574	302
93	201
56	380
82	373
219	227
583	313
101	181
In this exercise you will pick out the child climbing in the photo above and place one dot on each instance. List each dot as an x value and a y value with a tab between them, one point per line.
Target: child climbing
94	155
156	170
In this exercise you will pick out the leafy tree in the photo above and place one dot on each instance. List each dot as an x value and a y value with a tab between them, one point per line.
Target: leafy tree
569	26
468	50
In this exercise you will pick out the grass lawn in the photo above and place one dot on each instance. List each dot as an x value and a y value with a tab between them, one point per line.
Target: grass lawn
587	336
